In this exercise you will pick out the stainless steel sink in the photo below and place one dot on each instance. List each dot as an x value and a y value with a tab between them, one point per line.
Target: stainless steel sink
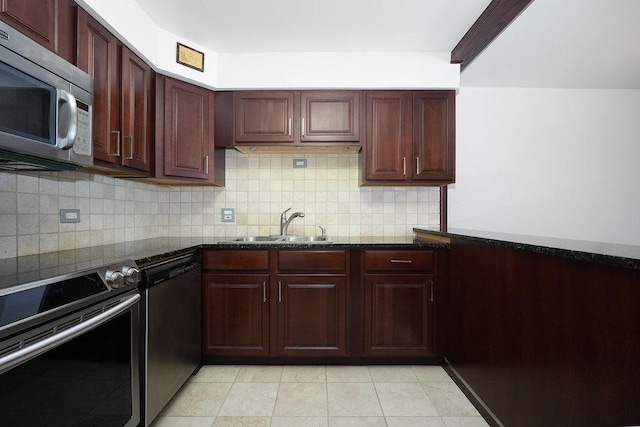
281	240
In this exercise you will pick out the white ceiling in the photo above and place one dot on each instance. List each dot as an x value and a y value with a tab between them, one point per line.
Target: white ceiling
592	44
317	25
553	43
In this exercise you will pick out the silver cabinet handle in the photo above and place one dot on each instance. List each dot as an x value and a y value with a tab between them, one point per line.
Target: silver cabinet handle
117	132
264	291
206	164
279	290
418	164
401	261
404	166
431	295
303	127
130	147
290	122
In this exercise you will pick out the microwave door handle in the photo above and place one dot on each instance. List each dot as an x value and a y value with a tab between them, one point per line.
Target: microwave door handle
65	98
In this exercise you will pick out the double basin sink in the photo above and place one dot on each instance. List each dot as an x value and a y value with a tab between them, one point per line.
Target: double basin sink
281	240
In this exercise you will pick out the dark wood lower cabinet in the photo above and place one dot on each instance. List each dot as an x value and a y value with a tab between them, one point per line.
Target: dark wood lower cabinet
398	314
251	310
347	306
236	313
311	315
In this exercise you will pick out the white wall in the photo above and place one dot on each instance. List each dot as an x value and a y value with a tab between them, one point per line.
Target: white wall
548	162
305	70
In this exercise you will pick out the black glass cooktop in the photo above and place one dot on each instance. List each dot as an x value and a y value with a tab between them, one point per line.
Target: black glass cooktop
21	303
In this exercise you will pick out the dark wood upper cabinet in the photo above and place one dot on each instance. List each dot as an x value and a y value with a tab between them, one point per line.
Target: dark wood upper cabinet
388	141
292	118
264	116
52	23
136	112
185	146
99	56
330	116
410	138
434	136
122	115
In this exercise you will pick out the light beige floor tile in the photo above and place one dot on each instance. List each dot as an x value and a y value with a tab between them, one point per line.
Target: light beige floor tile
241	422
250	399
430	373
392	374
448	400
465	421
301	399
183	422
259	374
348	374
353	399
415	422
303	374
404	399
216	374
299	422
357	422
198	399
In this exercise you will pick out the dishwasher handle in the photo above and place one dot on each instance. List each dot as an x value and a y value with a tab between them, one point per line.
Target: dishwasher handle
156	274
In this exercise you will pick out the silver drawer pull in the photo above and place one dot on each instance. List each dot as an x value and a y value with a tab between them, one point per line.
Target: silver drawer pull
401	261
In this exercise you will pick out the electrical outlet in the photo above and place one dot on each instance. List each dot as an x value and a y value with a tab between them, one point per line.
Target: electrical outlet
300	163
69	215
228	214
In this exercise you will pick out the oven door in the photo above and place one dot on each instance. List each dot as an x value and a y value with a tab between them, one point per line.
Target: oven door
79	370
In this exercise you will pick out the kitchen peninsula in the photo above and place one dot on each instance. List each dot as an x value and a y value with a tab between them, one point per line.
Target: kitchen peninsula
543	331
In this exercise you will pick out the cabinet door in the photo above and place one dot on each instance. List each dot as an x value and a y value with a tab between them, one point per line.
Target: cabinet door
398	314
434	136
188	130
235	314
388	140
136	117
311	315
98	56
330	116
264	116
49	22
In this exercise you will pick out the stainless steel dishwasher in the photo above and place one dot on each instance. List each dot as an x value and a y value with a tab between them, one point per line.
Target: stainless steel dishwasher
171	307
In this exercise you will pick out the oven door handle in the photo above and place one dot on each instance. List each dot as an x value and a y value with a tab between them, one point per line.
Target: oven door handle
24	354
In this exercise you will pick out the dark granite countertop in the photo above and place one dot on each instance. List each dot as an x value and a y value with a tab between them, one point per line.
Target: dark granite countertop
337	242
627	256
29	268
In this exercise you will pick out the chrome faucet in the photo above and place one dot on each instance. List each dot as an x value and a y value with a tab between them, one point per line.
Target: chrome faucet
284	222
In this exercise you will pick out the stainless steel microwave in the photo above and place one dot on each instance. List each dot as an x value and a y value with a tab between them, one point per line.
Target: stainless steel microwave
45	107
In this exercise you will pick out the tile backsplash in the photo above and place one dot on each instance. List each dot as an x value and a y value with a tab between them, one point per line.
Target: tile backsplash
258	186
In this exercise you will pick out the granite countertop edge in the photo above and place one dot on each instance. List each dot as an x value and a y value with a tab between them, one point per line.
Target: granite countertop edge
618	255
29	268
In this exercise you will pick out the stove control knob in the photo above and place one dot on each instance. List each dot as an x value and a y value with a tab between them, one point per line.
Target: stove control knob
131	275
115	279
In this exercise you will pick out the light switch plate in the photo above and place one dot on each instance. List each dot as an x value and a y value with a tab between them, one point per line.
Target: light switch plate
228	214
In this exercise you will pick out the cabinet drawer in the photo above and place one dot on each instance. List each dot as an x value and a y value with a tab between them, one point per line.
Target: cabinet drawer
398	260
235	260
312	260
